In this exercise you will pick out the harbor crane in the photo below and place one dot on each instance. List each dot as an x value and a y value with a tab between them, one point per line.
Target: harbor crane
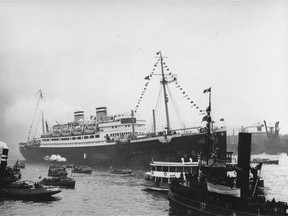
257	125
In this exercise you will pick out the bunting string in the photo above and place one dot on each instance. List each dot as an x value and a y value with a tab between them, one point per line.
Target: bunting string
170	78
148	78
185	95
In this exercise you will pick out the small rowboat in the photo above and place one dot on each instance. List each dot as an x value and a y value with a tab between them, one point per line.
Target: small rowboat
222	189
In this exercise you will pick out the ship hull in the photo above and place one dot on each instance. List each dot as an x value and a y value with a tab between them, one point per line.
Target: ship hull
203	202
134	153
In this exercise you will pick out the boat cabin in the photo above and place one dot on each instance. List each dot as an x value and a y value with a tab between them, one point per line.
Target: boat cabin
162	173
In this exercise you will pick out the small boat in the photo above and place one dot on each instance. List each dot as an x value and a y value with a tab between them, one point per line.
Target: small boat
222	189
20	164
121	171
162	173
69	165
81	169
265	161
63	182
28	190
56	171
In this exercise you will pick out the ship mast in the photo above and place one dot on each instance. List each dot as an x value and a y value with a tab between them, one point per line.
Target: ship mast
209	141
43	131
42	115
164	82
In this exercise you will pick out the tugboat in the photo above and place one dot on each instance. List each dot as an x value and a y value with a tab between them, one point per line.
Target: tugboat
20	164
62	181
7	174
12	187
121	171
162	173
212	191
28	190
57	171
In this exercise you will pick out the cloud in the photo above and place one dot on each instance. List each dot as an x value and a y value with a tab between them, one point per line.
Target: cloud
24	110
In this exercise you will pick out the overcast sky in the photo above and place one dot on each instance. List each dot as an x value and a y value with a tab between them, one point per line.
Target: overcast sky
90	53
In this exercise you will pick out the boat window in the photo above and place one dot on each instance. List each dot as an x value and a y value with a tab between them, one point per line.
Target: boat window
165	180
158	179
187	169
78	137
85	137
153	179
159	168
179	169
153	168
73	138
172	169
91	136
165	169
97	136
147	177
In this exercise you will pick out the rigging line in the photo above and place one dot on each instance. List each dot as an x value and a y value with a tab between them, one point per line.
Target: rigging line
158	108
53	117
177	109
183	118
30	129
150	125
146	85
195	98
159	117
37	124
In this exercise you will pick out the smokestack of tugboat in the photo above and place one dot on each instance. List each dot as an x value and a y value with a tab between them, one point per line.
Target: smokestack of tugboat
244	151
4	158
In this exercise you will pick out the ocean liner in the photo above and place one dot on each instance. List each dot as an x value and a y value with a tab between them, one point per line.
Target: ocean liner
121	139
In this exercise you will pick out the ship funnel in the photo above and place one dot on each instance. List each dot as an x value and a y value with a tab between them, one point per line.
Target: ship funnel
4	158
244	151
79	116
101	112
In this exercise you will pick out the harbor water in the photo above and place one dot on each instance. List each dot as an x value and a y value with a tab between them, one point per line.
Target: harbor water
103	193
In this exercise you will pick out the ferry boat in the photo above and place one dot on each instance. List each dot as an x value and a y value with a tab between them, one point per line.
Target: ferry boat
119	139
162	173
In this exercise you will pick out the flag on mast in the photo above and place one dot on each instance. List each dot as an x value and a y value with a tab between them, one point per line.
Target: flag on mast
207	90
